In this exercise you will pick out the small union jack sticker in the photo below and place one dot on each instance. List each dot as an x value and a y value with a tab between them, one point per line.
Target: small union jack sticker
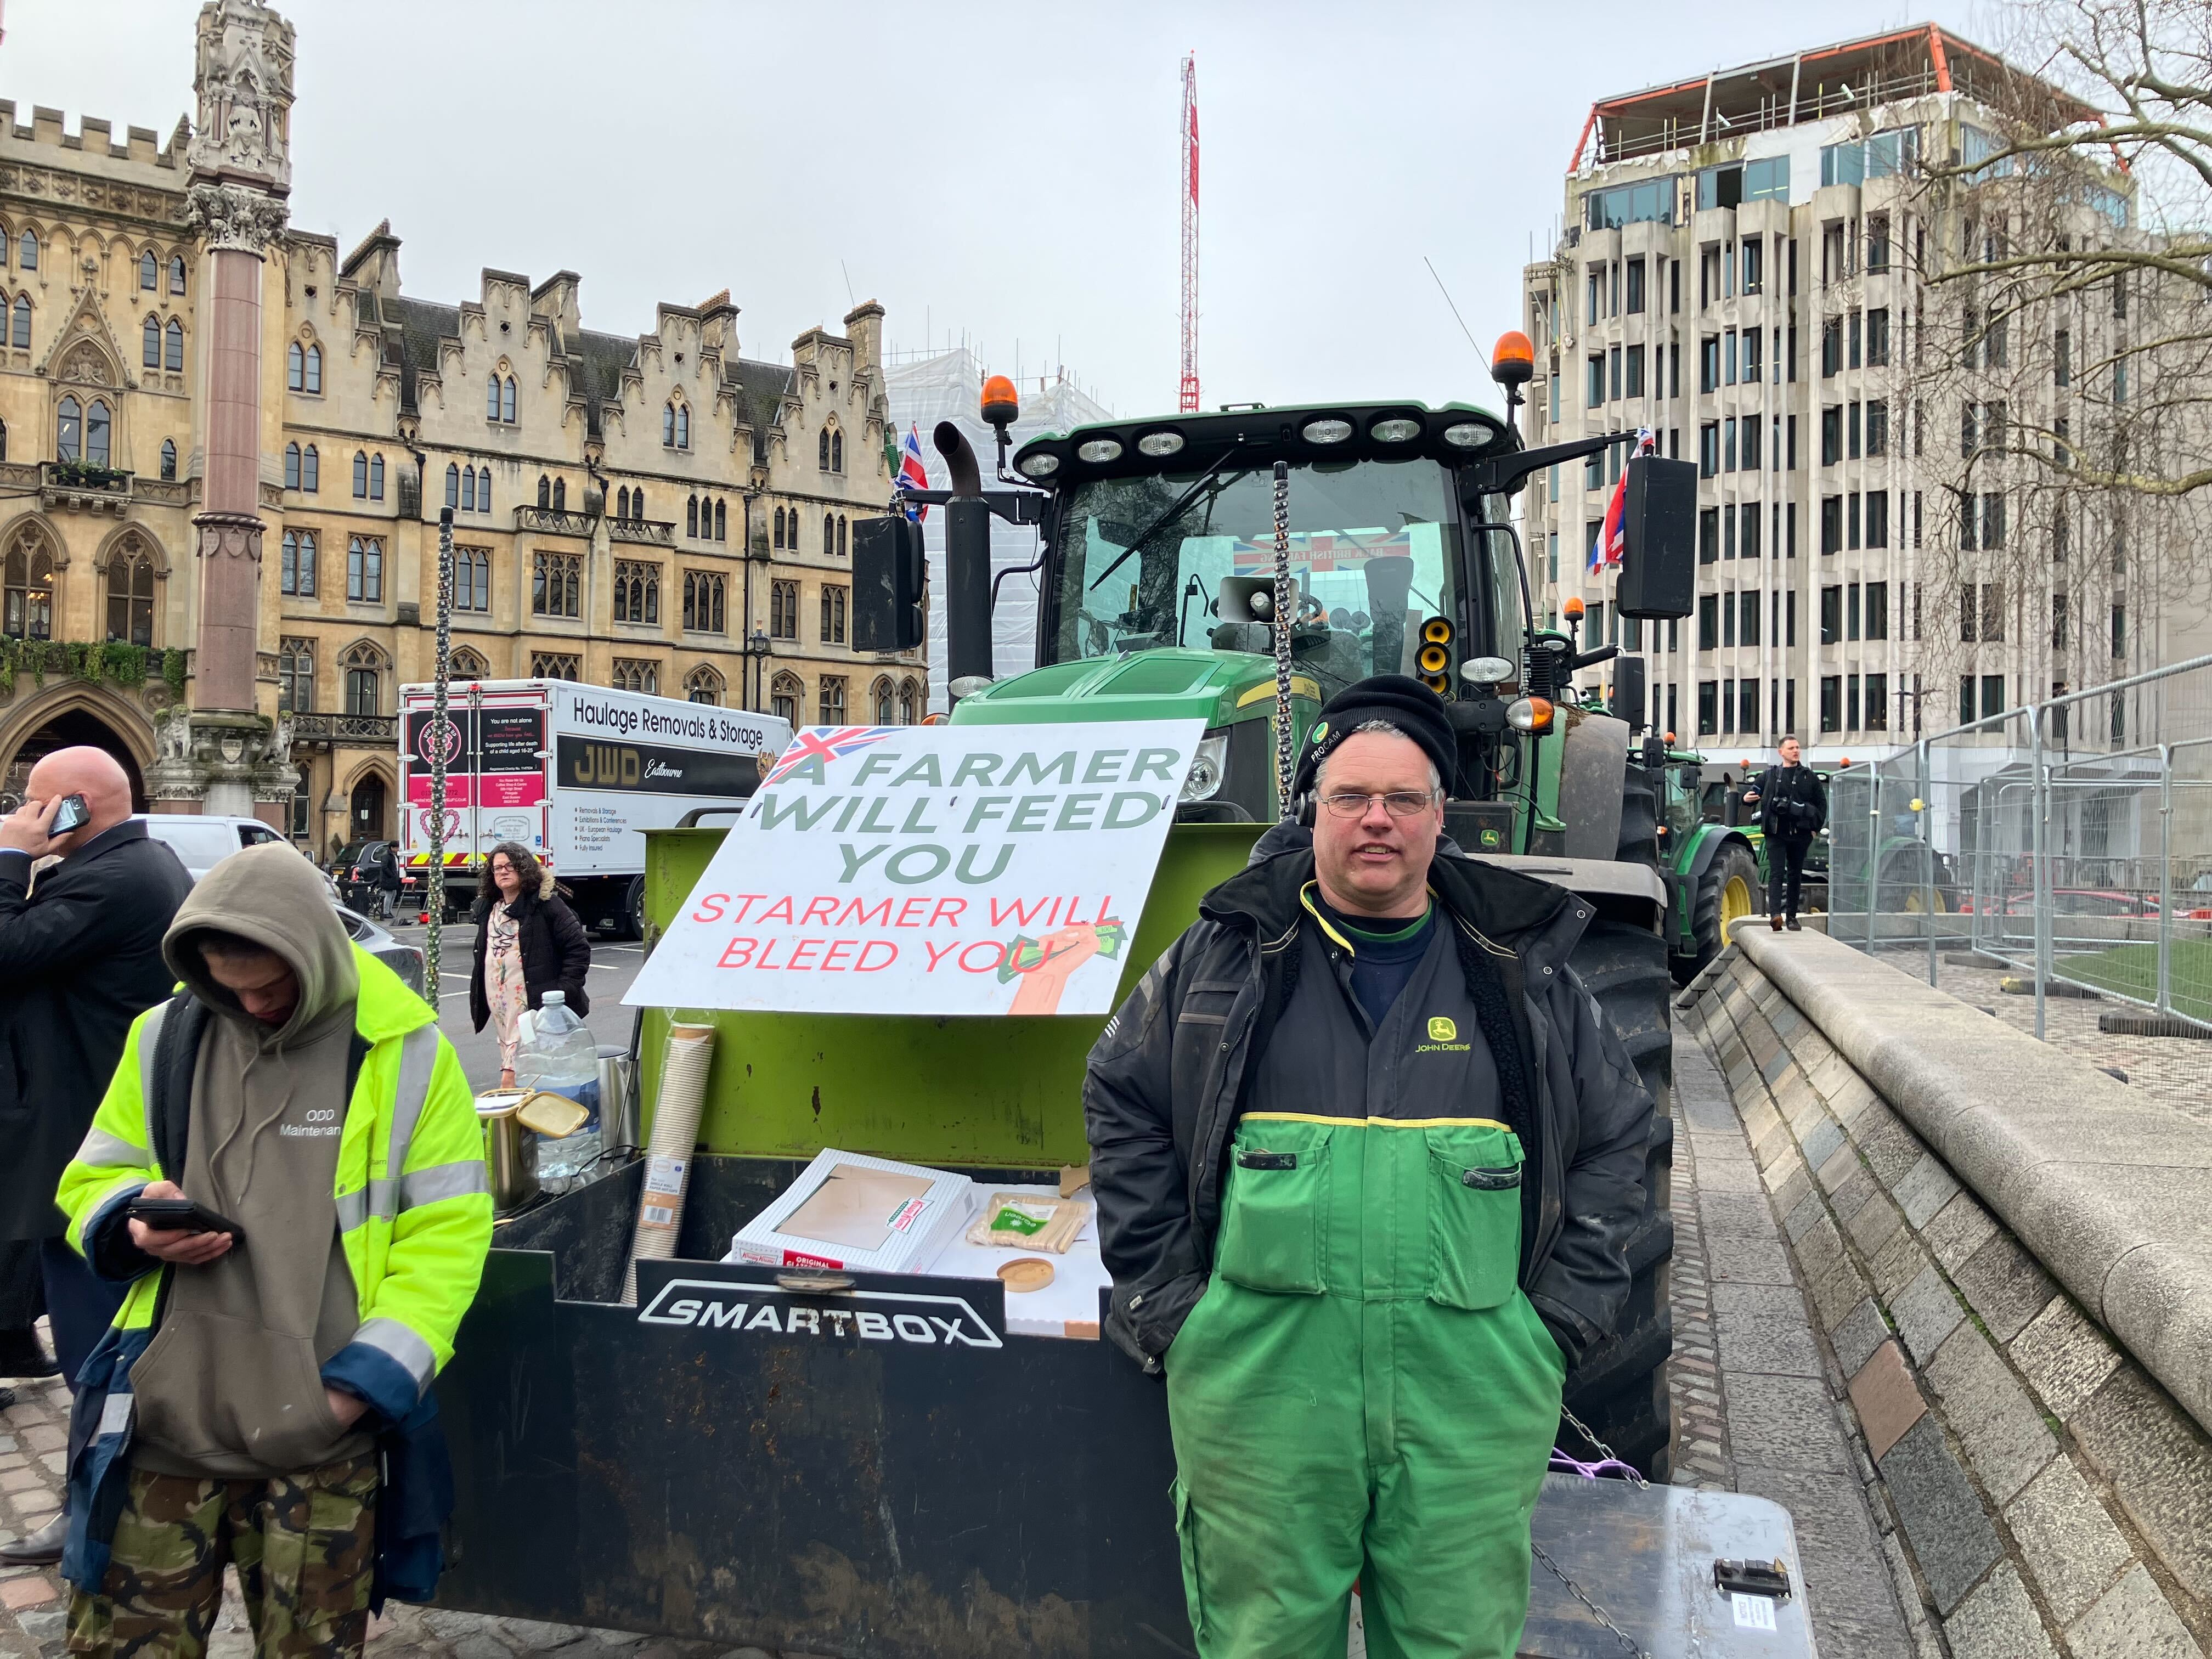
825	745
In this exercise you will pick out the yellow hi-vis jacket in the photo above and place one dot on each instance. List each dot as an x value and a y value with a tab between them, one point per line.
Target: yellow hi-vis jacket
414	1202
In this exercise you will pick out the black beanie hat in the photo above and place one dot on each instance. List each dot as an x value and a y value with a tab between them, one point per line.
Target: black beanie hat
1397	701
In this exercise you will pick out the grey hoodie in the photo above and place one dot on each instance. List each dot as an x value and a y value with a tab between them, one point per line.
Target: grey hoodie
230	1386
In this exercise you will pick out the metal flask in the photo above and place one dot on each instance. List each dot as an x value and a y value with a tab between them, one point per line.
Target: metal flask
510	1150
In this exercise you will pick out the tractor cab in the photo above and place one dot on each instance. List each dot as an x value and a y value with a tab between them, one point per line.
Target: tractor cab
1163	542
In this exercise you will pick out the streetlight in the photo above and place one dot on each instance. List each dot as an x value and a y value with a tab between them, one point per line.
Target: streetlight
758	648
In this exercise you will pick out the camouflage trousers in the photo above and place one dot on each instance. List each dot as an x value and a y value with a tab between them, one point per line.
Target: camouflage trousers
304	1545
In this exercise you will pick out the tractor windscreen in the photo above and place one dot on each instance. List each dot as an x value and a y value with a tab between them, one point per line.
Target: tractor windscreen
1374	552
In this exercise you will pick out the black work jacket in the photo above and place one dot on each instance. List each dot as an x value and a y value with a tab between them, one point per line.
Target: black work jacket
556	954
1166	1084
1793	802
80	959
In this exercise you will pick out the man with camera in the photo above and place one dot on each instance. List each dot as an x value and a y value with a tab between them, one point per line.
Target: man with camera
1367	1157
80	958
1793	804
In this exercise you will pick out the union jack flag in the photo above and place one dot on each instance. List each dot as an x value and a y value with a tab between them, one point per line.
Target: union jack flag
1323	550
912	474
825	743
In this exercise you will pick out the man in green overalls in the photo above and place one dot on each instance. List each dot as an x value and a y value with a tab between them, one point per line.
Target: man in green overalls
1366	1160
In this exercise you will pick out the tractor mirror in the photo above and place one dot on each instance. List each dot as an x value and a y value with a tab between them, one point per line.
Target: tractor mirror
1658	563
888	569
1628	688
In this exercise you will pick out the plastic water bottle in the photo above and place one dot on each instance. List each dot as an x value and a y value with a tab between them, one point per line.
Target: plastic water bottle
557	1054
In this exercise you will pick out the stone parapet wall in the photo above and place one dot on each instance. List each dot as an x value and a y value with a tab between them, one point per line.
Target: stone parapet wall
2051	1495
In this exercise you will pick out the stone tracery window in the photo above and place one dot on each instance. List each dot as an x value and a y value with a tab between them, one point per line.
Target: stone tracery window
704	685
131	593
27	587
169	460
637	592
20	331
150	272
907	701
26	254
149	349
786	694
634	674
555	665
363	671
177	275
296	569
880	695
82	431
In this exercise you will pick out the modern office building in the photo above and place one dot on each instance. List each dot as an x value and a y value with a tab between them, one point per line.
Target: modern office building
1743	271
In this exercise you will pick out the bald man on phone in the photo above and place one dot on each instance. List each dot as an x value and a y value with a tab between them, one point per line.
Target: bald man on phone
80	959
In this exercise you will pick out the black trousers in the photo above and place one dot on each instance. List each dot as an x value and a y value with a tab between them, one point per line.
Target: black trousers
22	1298
1785	871
79	1305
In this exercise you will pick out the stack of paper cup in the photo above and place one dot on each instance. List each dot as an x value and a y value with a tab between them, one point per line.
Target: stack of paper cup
668	1157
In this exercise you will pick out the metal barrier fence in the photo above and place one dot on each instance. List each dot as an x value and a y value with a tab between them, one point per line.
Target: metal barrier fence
2071	840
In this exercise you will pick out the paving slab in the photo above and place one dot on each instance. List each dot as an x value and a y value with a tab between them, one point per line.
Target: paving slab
1887	1398
2160	1465
2132	1620
1998	1621
2063	1355
1926	1312
1951	1538
2068	1540
2006	1439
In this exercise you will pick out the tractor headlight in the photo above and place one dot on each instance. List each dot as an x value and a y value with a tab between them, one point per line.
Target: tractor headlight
1395	430
1042	465
1467	435
1099	450
1208	768
1328	430
1159	443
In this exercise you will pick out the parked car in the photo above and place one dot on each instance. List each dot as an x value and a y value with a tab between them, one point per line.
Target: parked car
202	842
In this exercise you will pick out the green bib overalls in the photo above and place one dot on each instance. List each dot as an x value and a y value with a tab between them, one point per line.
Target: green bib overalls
1363	1392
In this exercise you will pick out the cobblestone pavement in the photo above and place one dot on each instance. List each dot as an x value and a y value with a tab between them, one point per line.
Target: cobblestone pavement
2175	1071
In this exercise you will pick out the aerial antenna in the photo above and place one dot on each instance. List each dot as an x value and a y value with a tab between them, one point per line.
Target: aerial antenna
850	298
1187	403
1456	318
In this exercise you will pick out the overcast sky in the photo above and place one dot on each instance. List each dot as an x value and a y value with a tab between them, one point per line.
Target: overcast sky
1007	173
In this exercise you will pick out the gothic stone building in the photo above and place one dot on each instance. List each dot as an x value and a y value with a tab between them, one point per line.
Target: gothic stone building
655	512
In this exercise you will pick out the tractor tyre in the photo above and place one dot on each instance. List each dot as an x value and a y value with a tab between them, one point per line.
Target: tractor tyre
1730	891
1620	1389
1910	878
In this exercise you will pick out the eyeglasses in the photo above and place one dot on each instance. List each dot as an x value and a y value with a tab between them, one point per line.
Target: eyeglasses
1401	804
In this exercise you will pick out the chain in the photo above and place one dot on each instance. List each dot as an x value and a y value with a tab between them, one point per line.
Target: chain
437	746
1603	1451
1595	1611
1283	614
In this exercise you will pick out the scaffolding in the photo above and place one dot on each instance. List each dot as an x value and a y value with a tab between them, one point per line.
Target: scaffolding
948	386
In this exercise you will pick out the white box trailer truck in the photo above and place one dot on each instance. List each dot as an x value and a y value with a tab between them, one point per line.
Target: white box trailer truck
575	774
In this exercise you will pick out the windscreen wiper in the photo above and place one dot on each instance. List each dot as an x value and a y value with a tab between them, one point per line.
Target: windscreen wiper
1173	512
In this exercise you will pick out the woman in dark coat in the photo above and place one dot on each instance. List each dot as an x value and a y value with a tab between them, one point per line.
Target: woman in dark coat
528	942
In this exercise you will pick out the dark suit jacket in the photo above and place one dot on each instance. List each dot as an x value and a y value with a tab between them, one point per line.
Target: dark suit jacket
79	960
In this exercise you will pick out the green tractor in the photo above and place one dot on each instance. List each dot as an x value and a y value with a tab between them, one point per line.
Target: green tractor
1156	576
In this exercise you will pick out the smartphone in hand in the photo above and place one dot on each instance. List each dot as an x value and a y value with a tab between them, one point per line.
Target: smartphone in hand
182	1215
74	813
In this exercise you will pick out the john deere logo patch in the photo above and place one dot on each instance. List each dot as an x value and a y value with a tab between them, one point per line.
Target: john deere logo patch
1320	731
1441	1029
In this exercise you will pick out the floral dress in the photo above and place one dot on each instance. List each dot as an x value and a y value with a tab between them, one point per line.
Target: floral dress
503	985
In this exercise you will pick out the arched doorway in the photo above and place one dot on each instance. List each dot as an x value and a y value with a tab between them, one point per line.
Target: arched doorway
365	820
68	729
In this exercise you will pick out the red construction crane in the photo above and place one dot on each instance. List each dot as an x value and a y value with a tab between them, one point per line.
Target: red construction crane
1189	404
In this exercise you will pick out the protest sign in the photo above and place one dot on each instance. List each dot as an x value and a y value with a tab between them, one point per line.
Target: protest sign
932	870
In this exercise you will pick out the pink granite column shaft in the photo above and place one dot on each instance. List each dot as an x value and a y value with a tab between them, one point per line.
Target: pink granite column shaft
229	521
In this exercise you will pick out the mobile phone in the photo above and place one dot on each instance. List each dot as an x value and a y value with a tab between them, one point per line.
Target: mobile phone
73	814
182	1215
